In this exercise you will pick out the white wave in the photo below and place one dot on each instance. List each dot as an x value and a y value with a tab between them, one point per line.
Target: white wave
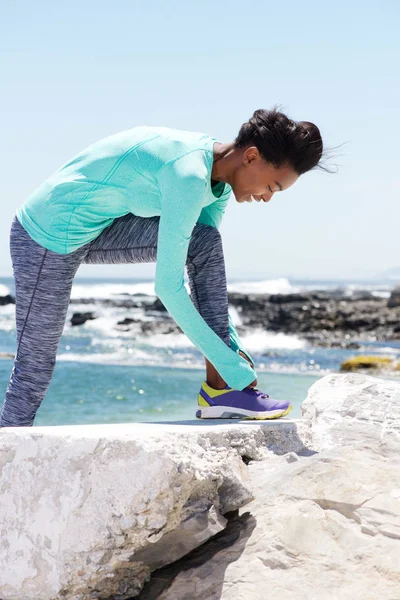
105	323
4	290
107	326
135	358
112	358
236	318
170	340
131	344
381	294
294	369
268	286
103	291
139	358
381	350
260	341
256	341
8	310
379	291
367	287
7	317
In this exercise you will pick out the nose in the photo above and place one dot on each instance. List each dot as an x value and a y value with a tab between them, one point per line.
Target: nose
260	198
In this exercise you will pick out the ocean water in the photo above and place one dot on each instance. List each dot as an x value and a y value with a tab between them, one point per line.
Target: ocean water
105	375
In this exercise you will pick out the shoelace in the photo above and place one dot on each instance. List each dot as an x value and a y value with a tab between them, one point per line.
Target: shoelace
263	394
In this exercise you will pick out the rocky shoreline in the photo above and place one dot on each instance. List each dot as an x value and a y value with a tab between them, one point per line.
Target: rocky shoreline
322	318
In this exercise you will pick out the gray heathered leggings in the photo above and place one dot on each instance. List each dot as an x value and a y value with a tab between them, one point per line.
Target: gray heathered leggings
43	281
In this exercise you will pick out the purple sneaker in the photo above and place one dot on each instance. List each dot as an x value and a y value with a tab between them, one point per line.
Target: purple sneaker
229	403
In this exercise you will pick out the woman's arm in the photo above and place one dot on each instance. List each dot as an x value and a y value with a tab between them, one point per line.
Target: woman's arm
212	215
182	192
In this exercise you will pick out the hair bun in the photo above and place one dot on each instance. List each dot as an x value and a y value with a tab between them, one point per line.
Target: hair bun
282	141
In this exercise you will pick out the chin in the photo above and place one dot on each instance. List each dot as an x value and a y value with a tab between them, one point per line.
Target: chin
238	196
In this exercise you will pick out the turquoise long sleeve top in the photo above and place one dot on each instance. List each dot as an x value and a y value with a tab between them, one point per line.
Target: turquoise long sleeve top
148	171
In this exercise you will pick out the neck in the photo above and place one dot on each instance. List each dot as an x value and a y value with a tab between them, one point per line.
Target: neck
223	154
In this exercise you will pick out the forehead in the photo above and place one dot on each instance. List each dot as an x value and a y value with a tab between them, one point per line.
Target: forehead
284	175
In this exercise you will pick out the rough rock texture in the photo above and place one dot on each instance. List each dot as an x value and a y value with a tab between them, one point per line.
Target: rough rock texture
349	409
89	511
324	526
243	511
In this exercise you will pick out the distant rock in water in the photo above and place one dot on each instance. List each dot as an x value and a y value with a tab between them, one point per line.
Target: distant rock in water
128	321
81	318
6	355
8	299
142	294
376	363
394	300
163	327
157	305
128	324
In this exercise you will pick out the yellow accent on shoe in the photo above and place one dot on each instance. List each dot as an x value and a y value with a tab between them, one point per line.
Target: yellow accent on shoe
212	392
202	401
286	412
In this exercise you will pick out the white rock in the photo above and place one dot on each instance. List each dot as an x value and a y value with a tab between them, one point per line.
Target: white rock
91	511
81	506
349	409
324	526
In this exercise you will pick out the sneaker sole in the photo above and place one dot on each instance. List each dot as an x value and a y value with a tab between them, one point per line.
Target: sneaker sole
223	412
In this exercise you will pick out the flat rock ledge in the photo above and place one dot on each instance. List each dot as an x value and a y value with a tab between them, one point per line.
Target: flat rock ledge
288	510
90	511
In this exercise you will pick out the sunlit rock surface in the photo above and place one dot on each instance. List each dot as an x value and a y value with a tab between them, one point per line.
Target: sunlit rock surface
324	526
89	511
234	511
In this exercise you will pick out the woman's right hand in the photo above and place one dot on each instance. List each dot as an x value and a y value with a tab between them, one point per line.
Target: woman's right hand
254	383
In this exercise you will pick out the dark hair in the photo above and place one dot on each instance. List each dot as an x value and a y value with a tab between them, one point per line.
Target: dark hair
282	141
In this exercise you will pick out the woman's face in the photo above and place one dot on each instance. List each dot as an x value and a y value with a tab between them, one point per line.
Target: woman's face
255	179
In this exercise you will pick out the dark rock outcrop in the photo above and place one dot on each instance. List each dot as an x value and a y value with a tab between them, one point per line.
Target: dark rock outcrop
81	318
161	326
7	299
322	317
128	321
394	300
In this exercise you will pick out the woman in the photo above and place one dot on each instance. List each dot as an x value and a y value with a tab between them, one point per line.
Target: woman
151	194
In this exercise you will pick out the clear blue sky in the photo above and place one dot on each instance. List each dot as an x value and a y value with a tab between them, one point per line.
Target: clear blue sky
74	72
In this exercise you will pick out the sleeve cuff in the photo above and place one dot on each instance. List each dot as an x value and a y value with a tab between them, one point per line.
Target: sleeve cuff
236	343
